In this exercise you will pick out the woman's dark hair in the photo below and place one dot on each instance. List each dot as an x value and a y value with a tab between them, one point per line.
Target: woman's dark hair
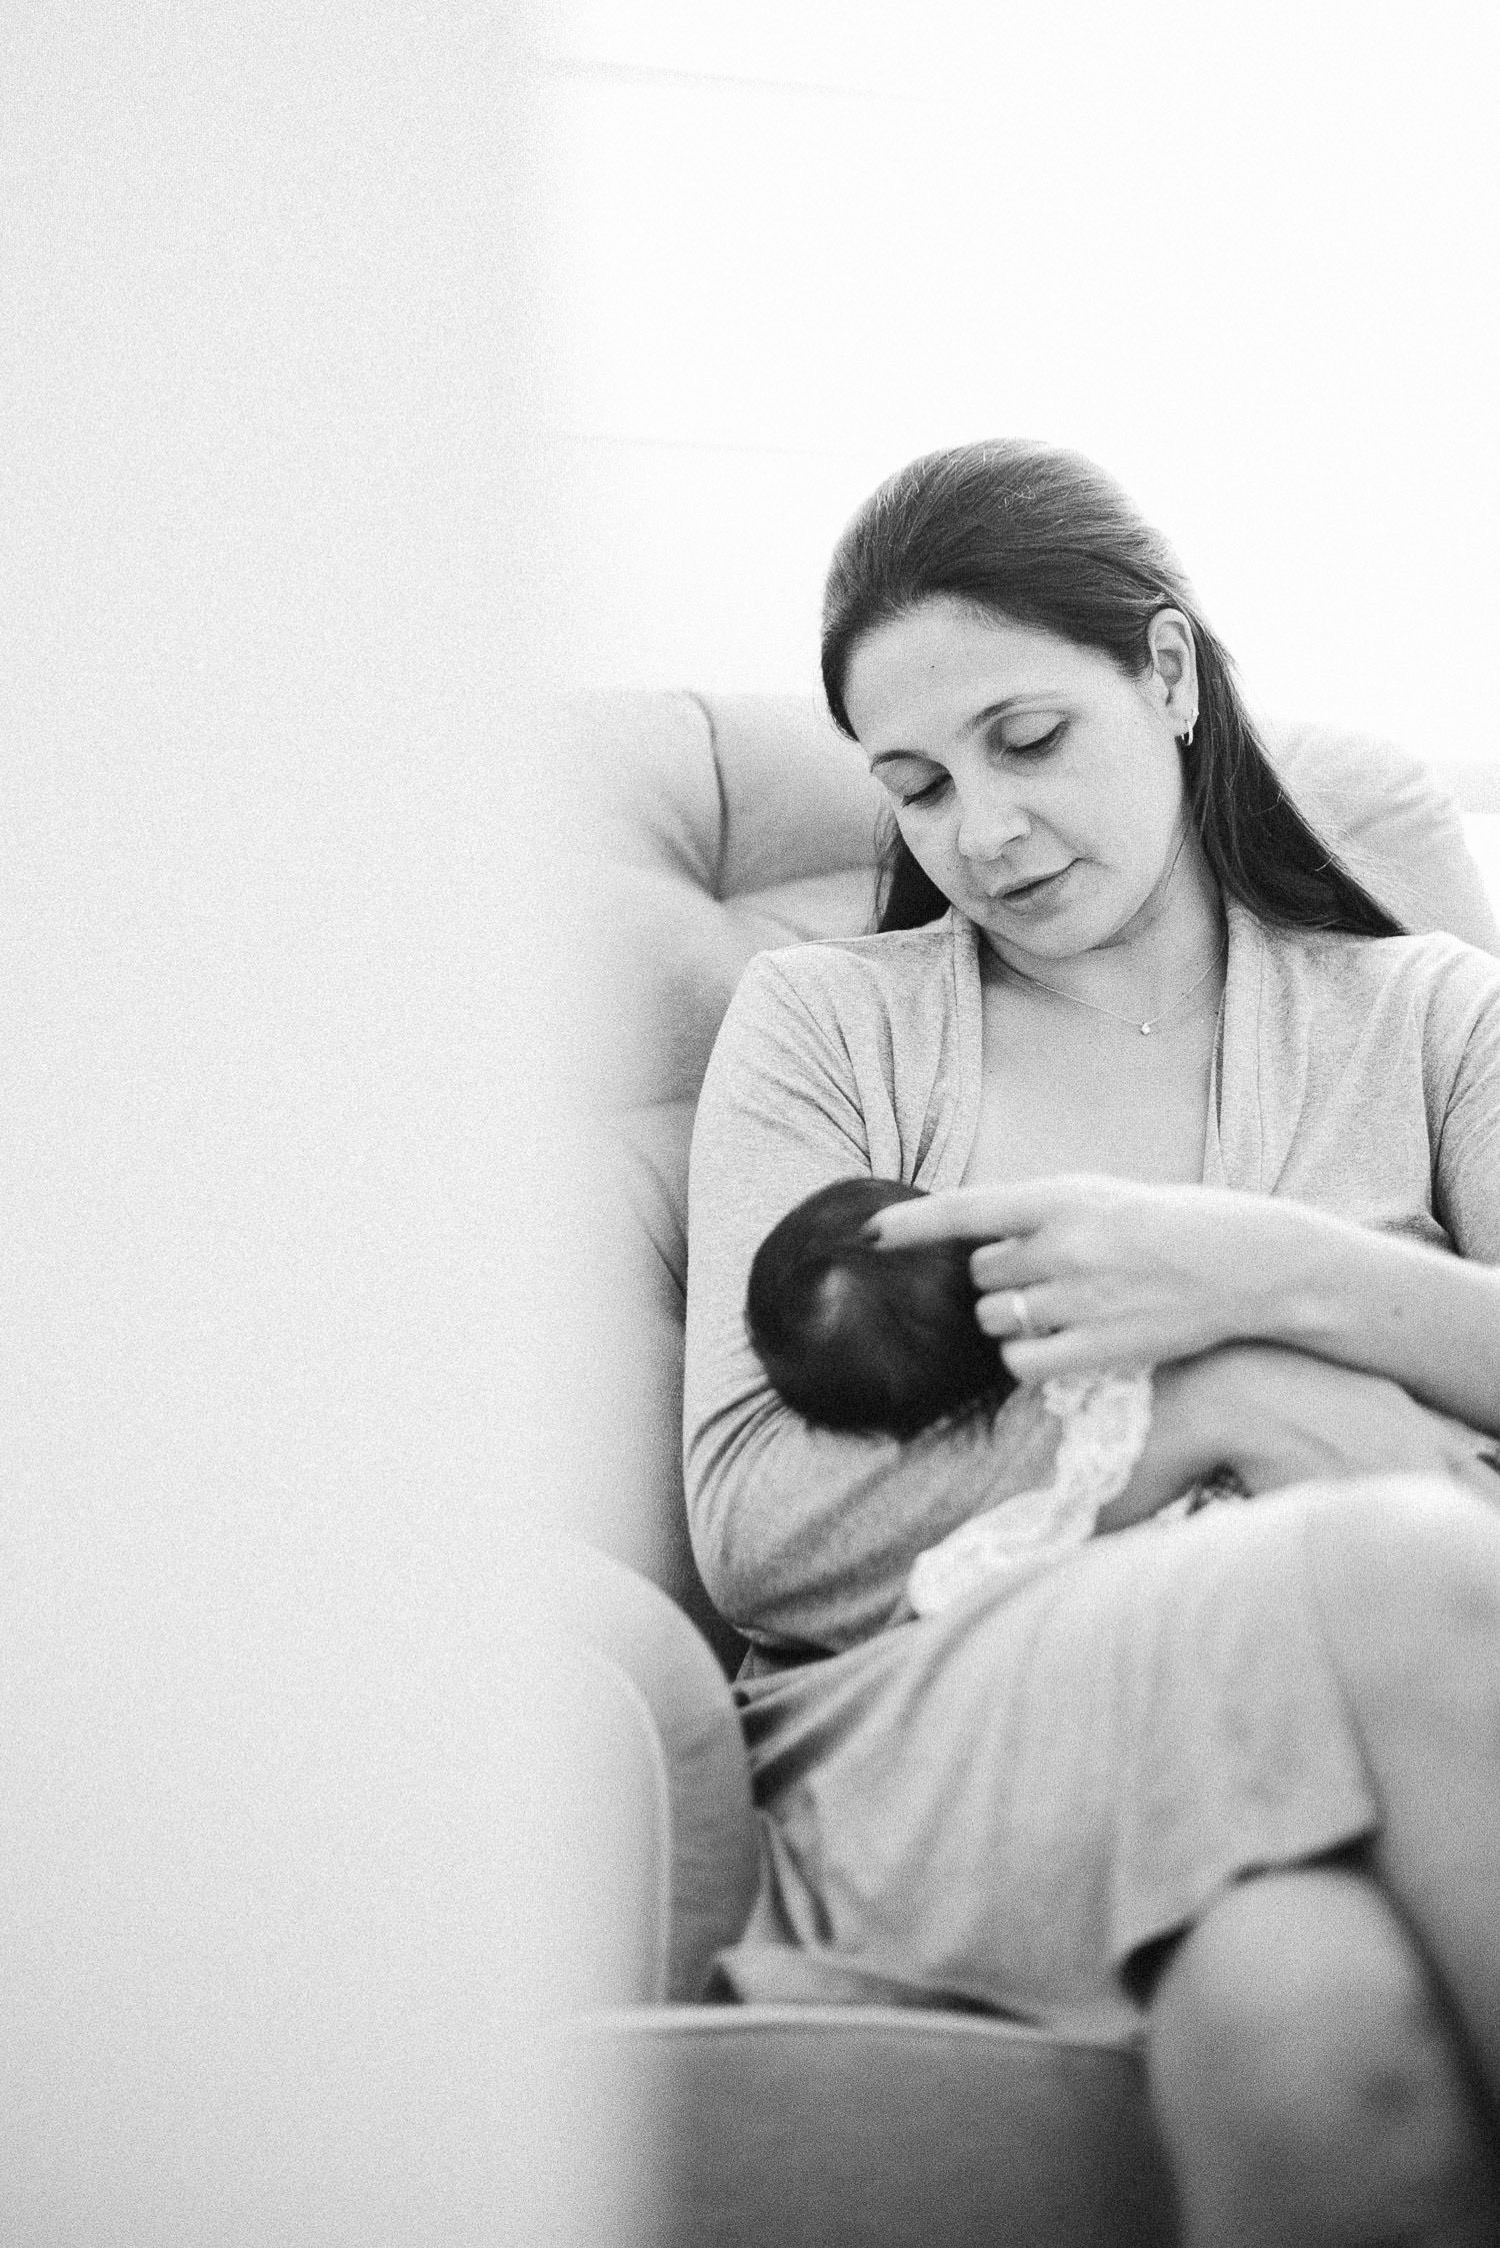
1043	538
855	1337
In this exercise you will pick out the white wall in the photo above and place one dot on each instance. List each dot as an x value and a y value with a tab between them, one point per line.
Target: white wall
1242	255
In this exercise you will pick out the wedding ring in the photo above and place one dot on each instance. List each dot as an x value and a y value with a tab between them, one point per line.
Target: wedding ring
1020	1312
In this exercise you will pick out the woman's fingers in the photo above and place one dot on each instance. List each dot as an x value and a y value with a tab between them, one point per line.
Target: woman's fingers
1076	1274
965	1213
1017	1263
1020	1311
1073	1350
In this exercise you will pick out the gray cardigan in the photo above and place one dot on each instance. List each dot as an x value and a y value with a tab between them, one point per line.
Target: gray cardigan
1359	1075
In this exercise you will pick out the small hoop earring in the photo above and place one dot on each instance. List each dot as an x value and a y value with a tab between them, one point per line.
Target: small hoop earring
1185	741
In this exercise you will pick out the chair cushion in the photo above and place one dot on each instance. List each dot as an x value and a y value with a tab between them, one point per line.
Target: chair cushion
1395	825
721	830
715	2127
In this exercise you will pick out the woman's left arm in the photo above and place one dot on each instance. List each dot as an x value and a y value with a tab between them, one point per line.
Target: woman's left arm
1428	1320
1110	1273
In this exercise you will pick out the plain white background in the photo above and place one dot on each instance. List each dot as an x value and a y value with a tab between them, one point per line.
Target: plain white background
1243	256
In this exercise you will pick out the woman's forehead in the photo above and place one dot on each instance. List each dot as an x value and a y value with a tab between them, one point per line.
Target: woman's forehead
947	665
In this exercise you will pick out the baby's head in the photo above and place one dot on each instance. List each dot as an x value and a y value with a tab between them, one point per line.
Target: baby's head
855	1337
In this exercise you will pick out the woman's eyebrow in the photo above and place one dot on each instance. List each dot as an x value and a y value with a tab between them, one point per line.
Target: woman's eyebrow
886	756
972	725
1009	702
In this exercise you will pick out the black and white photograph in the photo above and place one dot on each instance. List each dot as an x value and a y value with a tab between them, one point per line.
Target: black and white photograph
750	880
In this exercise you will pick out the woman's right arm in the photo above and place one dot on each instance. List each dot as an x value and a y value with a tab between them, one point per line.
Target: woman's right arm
802	1534
1278	1416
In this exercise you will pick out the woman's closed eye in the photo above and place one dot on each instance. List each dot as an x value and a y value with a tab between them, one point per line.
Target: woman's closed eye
1036	746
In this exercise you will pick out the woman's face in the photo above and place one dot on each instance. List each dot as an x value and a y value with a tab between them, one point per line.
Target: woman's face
1038	786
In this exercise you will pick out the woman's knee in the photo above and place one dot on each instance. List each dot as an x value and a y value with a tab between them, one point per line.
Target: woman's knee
1300	2063
1296	1996
1409	1566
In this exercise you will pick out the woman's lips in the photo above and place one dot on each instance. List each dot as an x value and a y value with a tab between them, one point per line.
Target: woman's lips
1029	896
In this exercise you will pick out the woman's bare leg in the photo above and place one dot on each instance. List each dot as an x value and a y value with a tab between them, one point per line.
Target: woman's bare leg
1407	1577
1306	2079
1325	2043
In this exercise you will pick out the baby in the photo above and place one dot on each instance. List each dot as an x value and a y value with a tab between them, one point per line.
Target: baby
855	1337
885	1341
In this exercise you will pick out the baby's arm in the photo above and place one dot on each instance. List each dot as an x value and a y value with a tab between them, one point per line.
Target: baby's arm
1277	1416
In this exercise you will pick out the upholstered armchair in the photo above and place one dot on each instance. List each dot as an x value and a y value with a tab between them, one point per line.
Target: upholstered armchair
725	825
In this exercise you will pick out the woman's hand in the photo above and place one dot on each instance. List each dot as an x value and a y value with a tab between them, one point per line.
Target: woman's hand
1081	1274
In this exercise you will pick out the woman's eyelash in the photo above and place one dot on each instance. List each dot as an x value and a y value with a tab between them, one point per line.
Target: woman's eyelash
1038	748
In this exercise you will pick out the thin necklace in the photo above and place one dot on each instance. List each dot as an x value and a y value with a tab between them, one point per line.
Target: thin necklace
1145	1028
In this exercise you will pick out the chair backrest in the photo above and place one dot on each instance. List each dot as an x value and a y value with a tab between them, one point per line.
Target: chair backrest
730	824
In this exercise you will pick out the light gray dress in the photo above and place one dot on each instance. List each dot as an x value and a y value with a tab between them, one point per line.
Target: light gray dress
1005	1802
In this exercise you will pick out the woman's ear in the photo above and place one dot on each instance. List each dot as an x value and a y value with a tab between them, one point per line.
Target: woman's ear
1174	667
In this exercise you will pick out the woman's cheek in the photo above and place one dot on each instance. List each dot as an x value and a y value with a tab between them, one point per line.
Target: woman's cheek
934	855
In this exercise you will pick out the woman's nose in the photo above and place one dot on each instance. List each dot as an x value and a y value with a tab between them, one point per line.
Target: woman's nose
988	821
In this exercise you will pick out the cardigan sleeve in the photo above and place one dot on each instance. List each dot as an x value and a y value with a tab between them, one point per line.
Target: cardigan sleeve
1465	1026
804	1536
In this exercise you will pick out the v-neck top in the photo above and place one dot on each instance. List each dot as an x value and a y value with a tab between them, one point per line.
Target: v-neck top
1359	1075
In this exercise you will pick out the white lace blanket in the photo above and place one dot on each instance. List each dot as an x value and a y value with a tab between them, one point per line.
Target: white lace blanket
1105	1420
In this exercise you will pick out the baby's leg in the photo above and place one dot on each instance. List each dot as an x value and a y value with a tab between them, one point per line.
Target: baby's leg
1278	1417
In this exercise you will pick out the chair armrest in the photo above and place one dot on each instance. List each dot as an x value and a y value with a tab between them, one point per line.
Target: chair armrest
665	1734
855	2127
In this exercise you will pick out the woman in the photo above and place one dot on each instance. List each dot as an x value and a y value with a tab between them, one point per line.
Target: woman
1231	1788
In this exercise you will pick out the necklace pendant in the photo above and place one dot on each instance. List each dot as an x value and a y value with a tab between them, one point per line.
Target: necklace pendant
1145	1030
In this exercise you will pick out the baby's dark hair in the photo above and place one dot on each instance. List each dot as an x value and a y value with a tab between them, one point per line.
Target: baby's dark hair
859	1338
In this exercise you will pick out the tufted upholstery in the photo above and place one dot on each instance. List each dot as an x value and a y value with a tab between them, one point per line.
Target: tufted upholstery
723	827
